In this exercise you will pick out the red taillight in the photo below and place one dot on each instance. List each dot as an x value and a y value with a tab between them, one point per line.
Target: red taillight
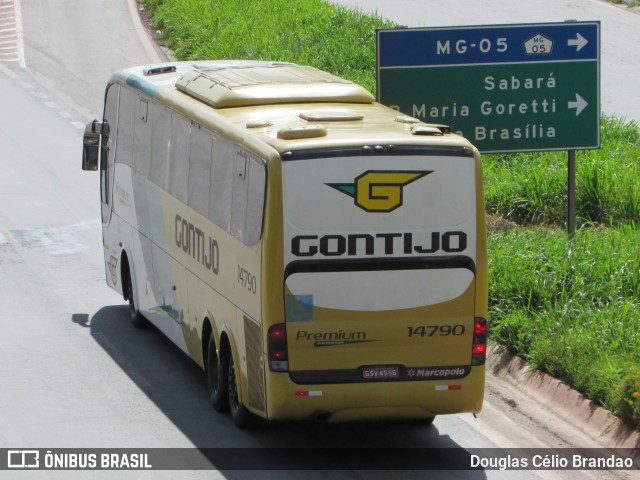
479	347
479	326
277	348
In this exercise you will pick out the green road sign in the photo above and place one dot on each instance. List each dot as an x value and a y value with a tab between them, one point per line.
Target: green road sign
505	88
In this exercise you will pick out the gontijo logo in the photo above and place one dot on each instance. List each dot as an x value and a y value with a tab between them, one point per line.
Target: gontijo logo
379	190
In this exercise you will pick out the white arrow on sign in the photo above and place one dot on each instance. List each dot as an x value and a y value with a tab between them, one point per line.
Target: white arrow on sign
579	42
580	104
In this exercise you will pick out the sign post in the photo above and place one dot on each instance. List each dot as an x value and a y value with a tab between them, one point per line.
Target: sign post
571	197
507	88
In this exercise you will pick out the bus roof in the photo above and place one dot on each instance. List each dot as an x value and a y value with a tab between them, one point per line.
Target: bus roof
281	106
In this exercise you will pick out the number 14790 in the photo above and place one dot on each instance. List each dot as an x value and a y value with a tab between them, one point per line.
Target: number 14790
436	330
247	279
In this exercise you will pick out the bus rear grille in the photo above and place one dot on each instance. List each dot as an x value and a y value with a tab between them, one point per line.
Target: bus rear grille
255	370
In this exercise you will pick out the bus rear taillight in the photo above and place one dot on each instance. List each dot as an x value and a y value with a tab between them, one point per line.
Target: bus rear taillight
479	348
277	348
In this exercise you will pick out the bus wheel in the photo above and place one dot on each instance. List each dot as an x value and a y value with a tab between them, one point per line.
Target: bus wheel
242	417
424	422
217	376
136	317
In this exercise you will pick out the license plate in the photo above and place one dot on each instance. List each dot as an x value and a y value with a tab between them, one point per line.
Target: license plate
381	372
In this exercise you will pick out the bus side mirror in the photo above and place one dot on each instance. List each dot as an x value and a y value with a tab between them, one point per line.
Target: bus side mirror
90	147
91	144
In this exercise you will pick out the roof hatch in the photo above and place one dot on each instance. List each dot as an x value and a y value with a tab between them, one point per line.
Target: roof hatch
331	116
268	84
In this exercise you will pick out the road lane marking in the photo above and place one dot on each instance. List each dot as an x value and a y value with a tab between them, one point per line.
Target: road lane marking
56	241
39	95
11	33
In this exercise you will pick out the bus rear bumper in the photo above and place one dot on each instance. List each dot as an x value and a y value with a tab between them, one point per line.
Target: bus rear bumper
374	400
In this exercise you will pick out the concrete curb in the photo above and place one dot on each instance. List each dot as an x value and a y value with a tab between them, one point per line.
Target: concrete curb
626	5
153	50
595	421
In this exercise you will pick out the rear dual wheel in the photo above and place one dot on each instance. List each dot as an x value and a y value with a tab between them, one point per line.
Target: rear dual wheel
217	377
223	386
240	415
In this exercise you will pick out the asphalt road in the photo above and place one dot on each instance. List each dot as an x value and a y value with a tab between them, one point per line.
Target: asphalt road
73	372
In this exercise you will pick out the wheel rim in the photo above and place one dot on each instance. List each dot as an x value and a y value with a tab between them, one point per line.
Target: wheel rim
233	387
213	373
132	304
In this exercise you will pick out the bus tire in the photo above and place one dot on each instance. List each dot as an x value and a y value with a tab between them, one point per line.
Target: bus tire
137	318
424	422
240	415
217	378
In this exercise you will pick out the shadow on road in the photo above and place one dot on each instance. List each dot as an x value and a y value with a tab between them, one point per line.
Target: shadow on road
177	386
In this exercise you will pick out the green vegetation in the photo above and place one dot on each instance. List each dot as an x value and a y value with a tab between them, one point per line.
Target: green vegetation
630	3
531	188
571	309
307	32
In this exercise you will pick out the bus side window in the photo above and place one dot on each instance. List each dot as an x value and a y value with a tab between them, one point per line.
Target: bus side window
222	168
142	138
255	201
239	196
200	170
179	163
108	146
160	119
126	125
248	199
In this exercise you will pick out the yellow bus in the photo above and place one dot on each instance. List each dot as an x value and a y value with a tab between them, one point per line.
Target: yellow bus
319	255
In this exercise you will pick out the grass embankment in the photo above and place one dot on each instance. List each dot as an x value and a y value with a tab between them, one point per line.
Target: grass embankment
572	310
